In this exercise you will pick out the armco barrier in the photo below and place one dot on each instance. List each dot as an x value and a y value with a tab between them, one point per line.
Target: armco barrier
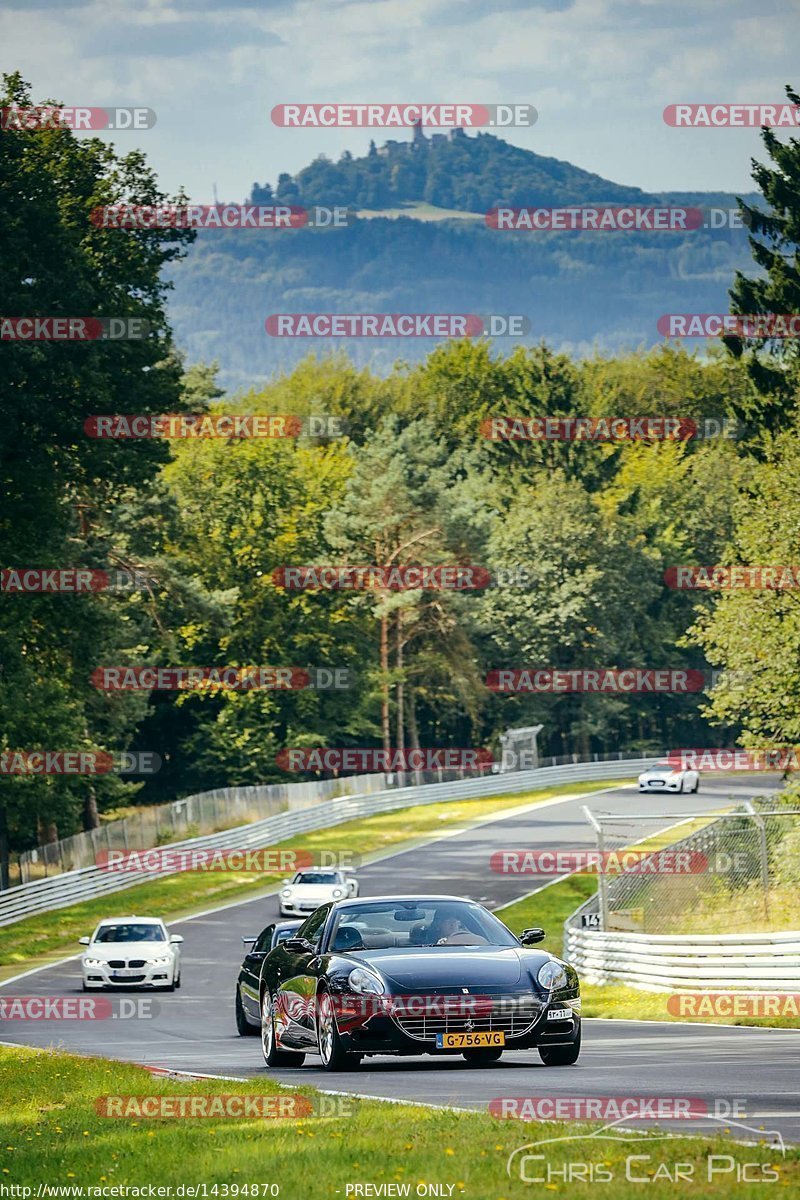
72	887
739	962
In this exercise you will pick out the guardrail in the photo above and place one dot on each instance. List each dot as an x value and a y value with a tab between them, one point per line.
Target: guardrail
740	962
72	887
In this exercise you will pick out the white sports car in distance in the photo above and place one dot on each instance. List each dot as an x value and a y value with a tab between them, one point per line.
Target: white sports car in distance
309	889
131	952
664	776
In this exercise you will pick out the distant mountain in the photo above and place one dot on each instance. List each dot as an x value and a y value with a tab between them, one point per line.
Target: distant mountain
580	290
453	171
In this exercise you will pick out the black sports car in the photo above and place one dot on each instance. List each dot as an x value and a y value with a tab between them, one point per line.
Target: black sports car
414	975
248	1005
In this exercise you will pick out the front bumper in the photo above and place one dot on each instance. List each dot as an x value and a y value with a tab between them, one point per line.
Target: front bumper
148	975
388	1033
299	908
660	785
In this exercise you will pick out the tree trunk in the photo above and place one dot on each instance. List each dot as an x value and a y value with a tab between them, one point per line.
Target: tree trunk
401	732
387	734
413	732
5	849
90	817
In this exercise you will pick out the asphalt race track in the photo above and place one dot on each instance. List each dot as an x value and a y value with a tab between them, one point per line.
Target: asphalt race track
194	1030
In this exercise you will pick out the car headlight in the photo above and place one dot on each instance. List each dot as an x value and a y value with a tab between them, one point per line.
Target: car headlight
160	962
337	893
286	894
93	962
552	975
362	981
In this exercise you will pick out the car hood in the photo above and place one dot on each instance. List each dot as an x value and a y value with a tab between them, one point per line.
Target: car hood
452	966
659	772
312	891
106	950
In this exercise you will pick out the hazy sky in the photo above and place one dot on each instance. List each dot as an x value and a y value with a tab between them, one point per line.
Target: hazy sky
599	72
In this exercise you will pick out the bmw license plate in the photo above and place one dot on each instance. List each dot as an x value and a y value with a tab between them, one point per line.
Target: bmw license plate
560	1014
460	1041
126	974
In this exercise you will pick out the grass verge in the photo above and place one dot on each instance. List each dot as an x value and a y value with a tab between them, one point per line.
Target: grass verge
53	934
550	908
52	1135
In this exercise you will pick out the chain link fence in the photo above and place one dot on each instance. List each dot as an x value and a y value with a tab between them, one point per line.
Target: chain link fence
729	872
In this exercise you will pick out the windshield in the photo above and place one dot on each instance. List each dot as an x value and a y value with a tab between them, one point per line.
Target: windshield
130	933
381	925
316	877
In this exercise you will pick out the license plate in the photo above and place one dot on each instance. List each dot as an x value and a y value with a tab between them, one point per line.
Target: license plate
560	1014
126	974
461	1041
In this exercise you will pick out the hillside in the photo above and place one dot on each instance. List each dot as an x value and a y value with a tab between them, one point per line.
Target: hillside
580	291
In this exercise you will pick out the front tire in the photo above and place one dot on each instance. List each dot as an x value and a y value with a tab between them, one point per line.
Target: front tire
243	1026
334	1056
483	1056
274	1057
561	1056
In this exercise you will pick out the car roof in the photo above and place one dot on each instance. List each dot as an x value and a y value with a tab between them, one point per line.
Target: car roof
141	920
418	898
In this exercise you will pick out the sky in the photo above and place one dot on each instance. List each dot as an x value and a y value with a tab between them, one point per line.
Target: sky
599	73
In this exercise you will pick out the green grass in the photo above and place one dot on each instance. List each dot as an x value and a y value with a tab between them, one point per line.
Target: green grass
52	1134
550	908
50	934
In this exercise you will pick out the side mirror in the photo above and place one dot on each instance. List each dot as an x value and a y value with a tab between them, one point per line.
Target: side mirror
529	937
84	941
176	939
299	945
285	883
249	941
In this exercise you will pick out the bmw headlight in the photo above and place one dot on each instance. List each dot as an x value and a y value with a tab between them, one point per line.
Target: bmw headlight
162	961
552	975
365	983
93	962
337	893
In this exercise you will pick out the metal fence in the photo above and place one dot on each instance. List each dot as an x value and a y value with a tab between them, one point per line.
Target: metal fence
206	812
222	808
74	886
731	871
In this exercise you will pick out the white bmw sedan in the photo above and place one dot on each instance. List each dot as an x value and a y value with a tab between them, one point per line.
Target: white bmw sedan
309	889
664	776
131	952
